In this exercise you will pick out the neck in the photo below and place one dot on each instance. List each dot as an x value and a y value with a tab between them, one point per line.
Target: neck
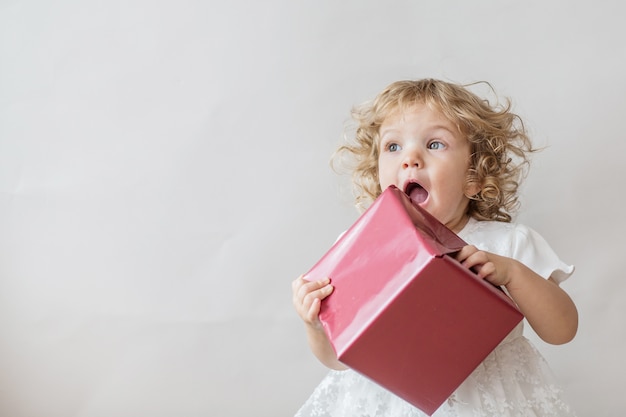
458	224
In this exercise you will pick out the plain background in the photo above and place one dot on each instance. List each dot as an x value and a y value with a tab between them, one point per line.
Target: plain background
164	177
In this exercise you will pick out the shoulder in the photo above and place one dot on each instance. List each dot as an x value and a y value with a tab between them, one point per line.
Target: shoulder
497	237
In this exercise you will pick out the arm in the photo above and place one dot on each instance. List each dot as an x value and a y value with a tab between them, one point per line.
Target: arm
307	299
548	309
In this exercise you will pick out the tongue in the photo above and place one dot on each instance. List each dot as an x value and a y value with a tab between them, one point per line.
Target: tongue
418	195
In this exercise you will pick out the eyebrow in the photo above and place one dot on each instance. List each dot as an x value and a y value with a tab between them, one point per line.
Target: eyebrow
381	132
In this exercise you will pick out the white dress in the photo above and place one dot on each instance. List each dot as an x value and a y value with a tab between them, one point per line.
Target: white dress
513	381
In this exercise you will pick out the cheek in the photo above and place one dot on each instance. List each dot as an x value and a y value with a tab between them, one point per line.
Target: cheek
382	180
386	176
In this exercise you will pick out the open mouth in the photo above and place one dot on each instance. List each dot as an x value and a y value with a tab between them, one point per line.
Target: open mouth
416	192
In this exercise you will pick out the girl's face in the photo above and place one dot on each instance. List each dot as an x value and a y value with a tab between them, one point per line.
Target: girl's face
423	154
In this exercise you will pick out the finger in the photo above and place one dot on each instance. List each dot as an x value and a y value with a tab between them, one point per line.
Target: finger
475	260
297	283
465	252
314	310
320	294
297	287
487	271
309	286
305	293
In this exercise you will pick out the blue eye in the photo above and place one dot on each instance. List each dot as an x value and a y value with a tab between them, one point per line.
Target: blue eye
393	147
435	145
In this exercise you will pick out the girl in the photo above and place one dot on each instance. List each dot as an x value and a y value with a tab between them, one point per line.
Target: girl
467	158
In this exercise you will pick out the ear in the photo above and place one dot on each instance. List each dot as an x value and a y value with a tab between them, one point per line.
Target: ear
471	189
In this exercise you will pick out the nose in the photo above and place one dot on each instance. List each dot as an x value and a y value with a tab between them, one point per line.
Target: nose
411	159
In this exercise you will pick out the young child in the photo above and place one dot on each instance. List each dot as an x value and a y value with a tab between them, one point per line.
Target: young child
461	159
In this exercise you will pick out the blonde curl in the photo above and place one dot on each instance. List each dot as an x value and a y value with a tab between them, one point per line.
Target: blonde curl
500	146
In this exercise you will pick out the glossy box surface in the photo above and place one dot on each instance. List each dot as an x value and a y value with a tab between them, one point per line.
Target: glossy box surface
404	313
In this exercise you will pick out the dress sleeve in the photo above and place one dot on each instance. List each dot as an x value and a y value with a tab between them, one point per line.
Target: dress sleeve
530	248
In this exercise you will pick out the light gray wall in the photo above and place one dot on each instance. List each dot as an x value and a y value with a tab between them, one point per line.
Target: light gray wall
164	177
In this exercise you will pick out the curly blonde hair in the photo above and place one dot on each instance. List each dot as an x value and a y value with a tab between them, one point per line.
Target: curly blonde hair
500	146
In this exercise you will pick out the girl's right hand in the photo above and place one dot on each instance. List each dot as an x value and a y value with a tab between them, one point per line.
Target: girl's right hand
307	299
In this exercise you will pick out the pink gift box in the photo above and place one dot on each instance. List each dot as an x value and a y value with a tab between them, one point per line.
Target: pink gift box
404	313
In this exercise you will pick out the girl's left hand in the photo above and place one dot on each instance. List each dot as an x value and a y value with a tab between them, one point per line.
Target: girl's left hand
548	309
486	265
